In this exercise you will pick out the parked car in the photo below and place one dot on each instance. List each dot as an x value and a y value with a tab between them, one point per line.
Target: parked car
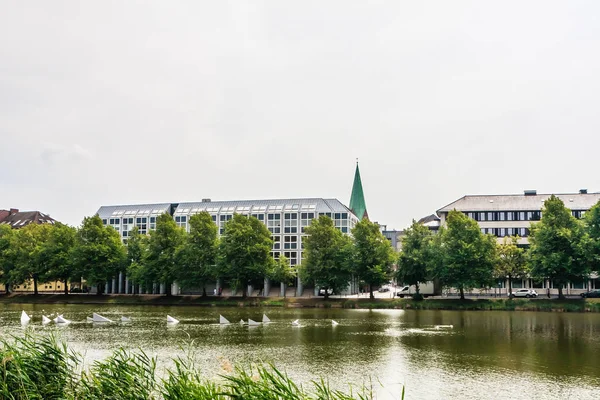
322	292
404	291
591	293
384	289
524	293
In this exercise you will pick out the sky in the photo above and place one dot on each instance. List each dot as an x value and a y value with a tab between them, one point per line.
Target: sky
126	102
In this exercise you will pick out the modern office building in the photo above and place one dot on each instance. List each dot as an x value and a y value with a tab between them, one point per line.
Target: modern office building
286	219
510	215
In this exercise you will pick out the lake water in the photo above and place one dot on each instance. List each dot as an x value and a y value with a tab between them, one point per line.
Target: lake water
435	354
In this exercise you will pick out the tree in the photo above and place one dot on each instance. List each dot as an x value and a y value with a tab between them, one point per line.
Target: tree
328	256
196	257
98	253
466	256
56	254
25	246
373	254
137	245
159	264
415	260
592	231
558	246
6	259
244	254
283	272
511	262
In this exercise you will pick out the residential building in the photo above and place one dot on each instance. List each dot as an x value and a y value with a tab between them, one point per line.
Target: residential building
512	215
18	219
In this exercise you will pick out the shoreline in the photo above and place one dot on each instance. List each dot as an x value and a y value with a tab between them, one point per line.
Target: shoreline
554	305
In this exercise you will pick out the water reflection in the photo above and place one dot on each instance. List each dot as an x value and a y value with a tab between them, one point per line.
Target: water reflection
437	354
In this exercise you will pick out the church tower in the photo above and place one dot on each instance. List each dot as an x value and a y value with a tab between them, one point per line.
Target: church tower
357	198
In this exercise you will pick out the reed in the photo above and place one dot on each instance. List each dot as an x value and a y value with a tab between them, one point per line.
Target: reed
40	367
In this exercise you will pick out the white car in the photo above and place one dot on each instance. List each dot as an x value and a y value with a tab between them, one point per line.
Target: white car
524	293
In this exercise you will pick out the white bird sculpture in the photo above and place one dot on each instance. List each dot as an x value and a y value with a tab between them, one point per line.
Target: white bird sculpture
334	323
252	322
223	320
45	320
25	318
265	319
295	323
171	320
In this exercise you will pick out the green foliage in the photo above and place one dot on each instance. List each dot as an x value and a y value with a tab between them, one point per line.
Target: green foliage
244	255
592	230
98	253
159	262
25	251
283	271
6	259
197	256
328	256
124	375
511	262
137	245
465	257
373	254
417	257
35	368
56	254
558	246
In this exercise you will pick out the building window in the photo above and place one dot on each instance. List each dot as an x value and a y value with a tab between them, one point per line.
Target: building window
223	218
290	222
152	223
276	242
260	217
290	242
292	256
305	220
181	221
274	223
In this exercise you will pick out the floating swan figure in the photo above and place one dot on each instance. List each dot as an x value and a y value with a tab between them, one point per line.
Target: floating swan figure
242	322
89	319
334	323
295	323
265	319
252	322
45	320
444	326
125	319
223	320
61	320
171	320
25	318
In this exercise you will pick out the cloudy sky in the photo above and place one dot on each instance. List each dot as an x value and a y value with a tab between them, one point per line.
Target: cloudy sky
117	102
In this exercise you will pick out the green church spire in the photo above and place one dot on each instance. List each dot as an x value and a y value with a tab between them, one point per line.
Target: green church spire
357	198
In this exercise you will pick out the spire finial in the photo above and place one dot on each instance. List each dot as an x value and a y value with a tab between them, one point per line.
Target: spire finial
356	160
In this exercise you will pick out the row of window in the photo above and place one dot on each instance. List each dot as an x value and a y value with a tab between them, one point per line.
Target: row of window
541	284
513	215
501	232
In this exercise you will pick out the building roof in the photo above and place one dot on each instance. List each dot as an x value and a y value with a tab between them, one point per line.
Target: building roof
357	198
18	219
318	205
519	202
430	221
133	210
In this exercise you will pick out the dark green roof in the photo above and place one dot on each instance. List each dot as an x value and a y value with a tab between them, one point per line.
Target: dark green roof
357	198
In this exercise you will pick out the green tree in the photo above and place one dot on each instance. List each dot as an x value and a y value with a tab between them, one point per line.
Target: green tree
137	245
592	230
373	254
56	254
6	259
283	272
416	259
466	256
197	256
159	263
511	262
328	256
244	255
98	253
558	246
25	246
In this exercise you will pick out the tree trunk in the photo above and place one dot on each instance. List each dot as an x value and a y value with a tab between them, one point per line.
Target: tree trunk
66	286
7	288
35	285
462	293
326	294
168	289
417	288
203	291
99	289
509	285
371	295
561	296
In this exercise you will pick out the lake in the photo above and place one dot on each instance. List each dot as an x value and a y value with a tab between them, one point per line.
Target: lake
435	354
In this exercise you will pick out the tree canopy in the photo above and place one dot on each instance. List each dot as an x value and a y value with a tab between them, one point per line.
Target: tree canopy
373	254
416	259
511	262
557	249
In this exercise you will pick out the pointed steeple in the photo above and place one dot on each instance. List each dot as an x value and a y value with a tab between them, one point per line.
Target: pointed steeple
357	198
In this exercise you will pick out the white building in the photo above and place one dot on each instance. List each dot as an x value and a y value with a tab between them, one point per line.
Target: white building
286	219
509	215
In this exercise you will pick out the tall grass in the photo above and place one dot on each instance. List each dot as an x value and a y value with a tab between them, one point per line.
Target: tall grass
41	367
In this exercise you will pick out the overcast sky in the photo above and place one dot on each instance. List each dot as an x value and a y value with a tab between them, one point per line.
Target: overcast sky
119	102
